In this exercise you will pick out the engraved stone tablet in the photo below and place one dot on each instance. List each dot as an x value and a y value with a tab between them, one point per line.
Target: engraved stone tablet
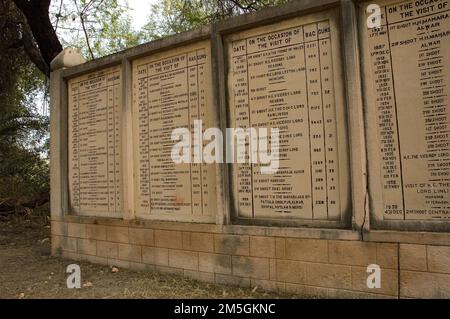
407	71
94	111
172	90
287	76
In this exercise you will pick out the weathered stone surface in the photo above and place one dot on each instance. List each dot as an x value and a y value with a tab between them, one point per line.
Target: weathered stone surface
215	263
329	275
262	247
352	253
438	259
168	239
87	247
155	256
232	244
198	242
251	267
97	232
183	259
67	58
141	236
413	257
130	252
291	271
416	284
307	250
107	249
117	234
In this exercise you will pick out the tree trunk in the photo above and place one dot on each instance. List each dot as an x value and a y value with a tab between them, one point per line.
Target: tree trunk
37	14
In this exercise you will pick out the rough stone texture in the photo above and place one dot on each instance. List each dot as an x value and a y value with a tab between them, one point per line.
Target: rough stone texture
168	239
438	259
232	245
413	257
314	268
262	247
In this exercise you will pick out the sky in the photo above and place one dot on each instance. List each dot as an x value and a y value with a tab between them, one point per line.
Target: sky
140	10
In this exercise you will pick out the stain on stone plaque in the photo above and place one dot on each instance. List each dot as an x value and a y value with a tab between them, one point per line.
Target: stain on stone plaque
172	90
94	111
407	68
287	76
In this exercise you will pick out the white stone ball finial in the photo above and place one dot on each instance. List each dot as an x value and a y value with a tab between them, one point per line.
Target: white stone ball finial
67	58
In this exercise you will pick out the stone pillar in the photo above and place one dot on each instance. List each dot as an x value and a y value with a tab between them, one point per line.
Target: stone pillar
58	131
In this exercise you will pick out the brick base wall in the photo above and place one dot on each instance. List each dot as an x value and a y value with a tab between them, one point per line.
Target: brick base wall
308	267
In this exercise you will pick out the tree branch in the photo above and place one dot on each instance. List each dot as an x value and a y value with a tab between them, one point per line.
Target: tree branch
33	52
86	36
36	13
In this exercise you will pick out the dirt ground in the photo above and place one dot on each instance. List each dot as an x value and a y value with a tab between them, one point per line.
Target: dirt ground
27	270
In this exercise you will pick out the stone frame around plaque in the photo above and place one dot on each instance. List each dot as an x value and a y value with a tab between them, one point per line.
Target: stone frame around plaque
205	211
106	85
60	171
340	44
378	223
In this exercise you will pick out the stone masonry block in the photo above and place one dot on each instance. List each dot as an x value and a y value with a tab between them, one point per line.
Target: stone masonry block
329	275
130	252
413	257
198	242
214	263
291	271
352	253
76	230
168	239
87	247
416	284
307	250
117	234
232	244
389	281
262	247
155	256
97	232
183	259
252	267
107	249
439	259
141	236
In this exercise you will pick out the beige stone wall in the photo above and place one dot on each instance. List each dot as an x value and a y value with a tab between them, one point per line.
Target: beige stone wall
308	267
315	260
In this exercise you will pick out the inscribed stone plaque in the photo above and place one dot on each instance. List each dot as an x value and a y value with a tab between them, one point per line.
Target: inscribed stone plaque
171	90
94	111
287	76
407	71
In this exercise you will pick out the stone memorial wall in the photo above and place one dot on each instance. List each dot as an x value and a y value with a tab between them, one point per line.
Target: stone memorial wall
364	156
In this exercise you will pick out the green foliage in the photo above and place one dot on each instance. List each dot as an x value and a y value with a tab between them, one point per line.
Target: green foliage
174	16
23	133
95	27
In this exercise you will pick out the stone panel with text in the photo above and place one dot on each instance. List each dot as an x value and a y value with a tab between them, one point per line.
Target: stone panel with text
288	76
407	74
94	143
172	90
